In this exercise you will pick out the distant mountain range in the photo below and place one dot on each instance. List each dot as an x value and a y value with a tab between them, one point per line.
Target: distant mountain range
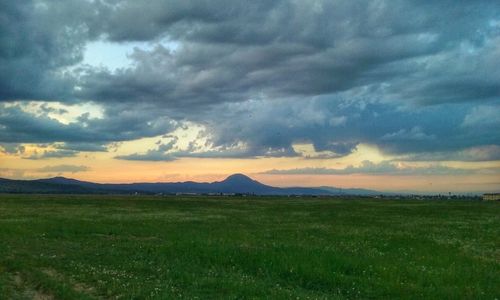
234	184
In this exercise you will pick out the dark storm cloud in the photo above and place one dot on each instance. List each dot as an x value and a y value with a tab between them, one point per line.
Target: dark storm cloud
87	134
37	40
337	126
412	77
243	48
429	53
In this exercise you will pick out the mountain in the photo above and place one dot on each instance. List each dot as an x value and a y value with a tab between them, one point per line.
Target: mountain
41	187
239	183
234	184
68	181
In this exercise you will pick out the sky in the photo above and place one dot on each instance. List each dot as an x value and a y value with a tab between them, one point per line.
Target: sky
392	95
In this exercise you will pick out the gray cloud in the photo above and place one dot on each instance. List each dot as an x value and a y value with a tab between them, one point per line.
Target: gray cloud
483	116
12	148
158	154
169	152
87	147
38	40
231	51
87	134
235	51
415	78
395	131
421	133
44	154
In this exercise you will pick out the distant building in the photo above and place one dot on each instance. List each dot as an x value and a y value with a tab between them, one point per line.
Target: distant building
491	197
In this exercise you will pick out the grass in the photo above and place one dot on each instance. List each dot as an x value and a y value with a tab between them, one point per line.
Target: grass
136	247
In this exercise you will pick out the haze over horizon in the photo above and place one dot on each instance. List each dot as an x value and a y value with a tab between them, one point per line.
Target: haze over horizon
383	95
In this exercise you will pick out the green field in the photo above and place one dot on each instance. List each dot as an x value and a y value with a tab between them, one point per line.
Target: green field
88	247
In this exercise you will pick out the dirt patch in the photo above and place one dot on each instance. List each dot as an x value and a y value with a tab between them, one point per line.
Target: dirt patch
24	289
76	286
41	296
18	281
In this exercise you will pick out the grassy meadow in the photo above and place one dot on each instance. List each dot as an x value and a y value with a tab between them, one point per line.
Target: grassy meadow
146	247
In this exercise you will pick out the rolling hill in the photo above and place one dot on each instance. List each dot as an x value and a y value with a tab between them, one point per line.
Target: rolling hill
234	184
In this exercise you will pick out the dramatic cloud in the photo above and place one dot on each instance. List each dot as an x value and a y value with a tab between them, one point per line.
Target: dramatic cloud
38	40
86	133
417	79
396	131
235	51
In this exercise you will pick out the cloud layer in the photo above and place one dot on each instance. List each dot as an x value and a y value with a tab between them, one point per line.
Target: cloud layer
417	79
384	168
